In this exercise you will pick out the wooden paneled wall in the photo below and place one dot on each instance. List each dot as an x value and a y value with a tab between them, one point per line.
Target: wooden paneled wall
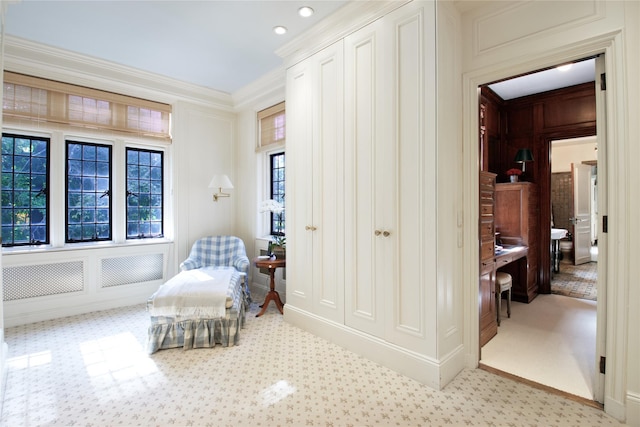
533	122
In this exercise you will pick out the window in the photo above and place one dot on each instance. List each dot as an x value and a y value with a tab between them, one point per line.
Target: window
277	192
144	194
25	184
119	148
88	204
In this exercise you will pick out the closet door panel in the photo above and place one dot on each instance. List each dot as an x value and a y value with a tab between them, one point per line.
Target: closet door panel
363	299
412	73
299	184
328	185
408	299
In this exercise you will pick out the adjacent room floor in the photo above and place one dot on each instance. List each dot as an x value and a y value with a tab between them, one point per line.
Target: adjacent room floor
550	341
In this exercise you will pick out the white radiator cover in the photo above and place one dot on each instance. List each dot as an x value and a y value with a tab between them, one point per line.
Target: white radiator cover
29	281
131	269
46	285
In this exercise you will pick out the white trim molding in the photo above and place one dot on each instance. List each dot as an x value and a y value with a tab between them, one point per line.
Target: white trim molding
605	33
433	373
35	59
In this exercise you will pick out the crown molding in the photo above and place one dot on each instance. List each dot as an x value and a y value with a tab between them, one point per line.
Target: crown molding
267	86
349	18
36	59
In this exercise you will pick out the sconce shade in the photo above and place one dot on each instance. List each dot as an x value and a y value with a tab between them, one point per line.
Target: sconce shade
220	182
523	155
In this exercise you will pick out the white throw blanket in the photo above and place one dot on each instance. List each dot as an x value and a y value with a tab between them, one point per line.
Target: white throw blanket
193	293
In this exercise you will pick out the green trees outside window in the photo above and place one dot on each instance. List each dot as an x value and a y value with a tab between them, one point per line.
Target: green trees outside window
277	193
144	194
25	184
88	192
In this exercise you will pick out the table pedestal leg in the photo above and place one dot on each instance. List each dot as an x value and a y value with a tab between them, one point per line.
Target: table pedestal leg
272	295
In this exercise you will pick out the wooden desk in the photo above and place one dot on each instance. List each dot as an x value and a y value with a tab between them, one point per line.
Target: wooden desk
510	254
272	295
513	260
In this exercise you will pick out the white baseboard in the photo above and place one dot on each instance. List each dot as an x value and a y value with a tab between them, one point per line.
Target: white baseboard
633	409
433	373
451	365
4	352
616	409
58	306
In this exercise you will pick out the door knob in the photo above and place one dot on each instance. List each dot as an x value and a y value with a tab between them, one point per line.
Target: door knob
377	232
386	233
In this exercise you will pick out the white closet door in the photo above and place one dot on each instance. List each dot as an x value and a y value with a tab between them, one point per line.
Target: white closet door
328	184
299	184
411	36
389	90
368	265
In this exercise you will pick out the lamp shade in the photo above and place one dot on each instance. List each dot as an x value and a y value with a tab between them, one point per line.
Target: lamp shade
220	181
523	155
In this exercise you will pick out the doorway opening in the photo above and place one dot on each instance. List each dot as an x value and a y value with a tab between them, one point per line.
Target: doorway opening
574	213
550	339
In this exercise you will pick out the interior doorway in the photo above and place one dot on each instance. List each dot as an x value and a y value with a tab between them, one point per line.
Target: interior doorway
583	315
574	212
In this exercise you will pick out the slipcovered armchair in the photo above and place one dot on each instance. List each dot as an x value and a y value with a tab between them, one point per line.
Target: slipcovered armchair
219	251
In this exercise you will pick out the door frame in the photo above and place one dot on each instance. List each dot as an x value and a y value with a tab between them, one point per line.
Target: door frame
611	324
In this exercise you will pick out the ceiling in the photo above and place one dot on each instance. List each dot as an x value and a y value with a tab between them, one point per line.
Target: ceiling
222	45
217	44
543	81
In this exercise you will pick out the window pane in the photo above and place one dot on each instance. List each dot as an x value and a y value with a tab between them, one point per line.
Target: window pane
25	201
277	192
144	194
88	191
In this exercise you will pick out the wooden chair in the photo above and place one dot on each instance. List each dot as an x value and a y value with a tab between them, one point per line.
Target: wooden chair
503	283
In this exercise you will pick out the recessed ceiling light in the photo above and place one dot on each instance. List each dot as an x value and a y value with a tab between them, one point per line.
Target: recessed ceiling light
280	30
565	67
305	11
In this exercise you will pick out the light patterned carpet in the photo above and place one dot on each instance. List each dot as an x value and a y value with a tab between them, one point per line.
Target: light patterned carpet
576	281
92	370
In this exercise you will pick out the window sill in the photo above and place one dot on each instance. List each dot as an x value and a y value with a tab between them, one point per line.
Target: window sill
21	250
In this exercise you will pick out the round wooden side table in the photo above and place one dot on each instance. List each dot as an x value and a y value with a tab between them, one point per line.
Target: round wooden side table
272	295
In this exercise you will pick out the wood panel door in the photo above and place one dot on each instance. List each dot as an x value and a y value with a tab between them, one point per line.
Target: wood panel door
487	302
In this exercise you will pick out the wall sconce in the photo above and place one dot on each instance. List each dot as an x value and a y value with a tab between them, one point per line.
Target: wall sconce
220	182
523	156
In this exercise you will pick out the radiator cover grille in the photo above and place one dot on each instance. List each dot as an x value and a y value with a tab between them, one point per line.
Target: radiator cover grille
30	281
131	269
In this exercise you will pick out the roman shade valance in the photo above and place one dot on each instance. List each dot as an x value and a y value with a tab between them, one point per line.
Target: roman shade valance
272	125
43	100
